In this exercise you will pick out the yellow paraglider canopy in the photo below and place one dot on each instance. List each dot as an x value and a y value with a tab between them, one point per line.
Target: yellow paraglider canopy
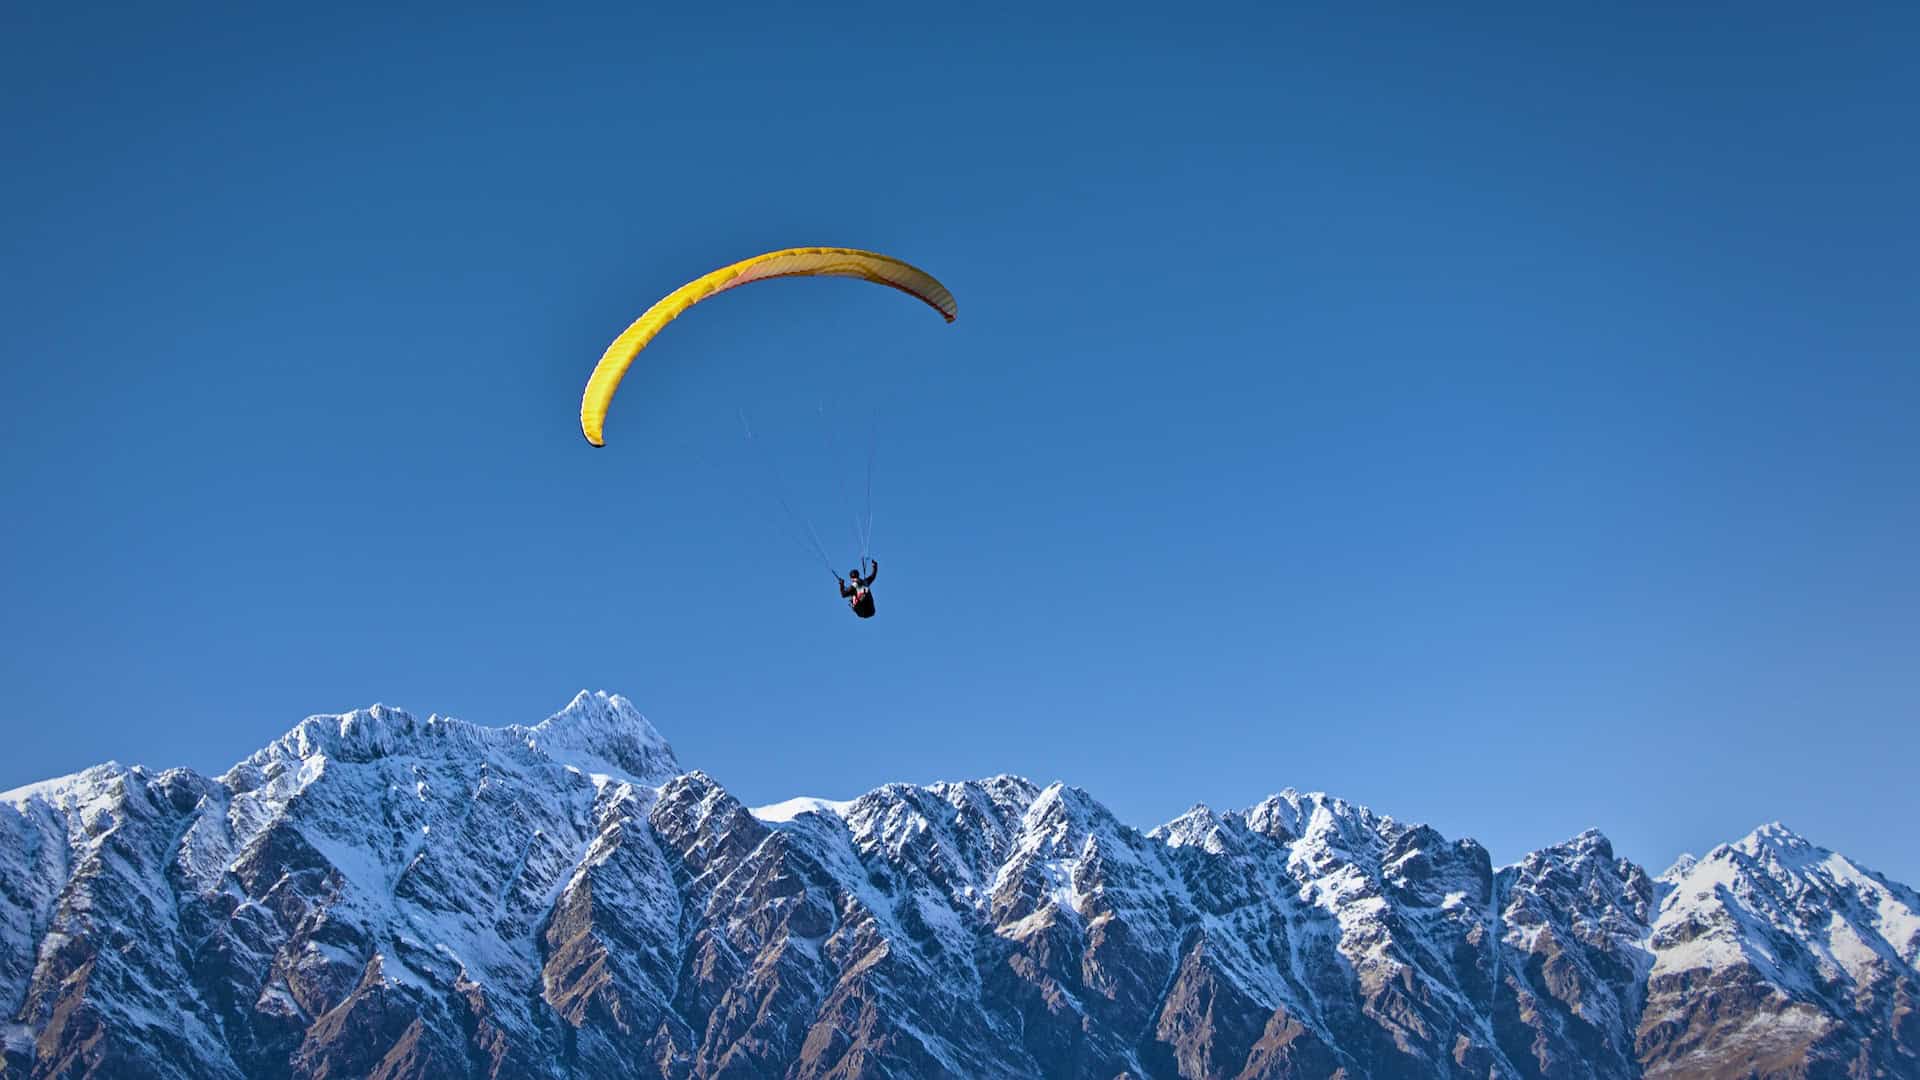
792	262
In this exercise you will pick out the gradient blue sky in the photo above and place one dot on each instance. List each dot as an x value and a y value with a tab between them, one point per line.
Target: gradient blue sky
1503	417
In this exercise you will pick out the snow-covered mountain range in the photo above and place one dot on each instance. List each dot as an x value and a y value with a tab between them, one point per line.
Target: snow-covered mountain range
377	895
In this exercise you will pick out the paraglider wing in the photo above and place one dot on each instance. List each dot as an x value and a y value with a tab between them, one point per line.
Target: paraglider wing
792	262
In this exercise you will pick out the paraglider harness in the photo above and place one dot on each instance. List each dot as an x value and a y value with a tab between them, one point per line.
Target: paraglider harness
858	593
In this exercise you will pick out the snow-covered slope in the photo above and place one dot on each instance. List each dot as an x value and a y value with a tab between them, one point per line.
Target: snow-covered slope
378	895
1771	951
788	809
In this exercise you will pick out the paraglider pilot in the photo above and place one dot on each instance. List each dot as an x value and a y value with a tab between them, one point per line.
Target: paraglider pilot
858	590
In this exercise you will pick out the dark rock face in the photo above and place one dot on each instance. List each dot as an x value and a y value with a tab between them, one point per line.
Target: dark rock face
379	896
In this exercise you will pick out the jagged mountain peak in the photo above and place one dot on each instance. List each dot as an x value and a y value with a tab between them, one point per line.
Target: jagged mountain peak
1004	789
597	733
1061	807
1323	830
1685	862
1772	854
604	732
1800	936
1775	839
97	800
1002	800
1295	813
1592	839
599	714
1588	844
1198	825
75	785
356	735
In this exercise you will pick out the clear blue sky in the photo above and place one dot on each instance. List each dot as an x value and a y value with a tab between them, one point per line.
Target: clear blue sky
1502	417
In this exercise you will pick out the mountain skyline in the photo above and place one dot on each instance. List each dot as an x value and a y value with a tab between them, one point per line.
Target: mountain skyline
799	801
377	894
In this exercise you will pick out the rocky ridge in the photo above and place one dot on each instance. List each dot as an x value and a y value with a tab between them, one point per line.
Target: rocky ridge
382	896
